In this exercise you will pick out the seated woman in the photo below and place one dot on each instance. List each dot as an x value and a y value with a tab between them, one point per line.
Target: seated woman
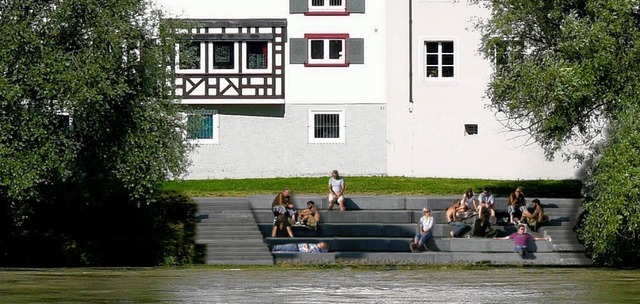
535	217
517	205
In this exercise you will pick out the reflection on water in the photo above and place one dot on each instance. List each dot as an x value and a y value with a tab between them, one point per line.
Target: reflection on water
206	285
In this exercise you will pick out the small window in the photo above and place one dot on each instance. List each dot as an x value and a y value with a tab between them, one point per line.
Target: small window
190	55
202	126
326	126
470	129
223	55
439	59
257	55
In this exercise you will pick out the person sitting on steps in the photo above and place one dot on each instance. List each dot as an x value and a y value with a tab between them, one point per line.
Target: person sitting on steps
423	232
536	216
517	205
486	201
520	240
310	216
336	190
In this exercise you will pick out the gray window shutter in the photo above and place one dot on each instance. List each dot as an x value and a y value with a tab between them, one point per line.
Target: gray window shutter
355	6
298	6
355	50
298	50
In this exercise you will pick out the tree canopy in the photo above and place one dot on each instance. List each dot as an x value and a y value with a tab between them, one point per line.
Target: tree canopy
86	103
568	73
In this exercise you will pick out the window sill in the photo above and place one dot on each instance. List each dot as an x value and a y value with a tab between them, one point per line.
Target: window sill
327	65
327	13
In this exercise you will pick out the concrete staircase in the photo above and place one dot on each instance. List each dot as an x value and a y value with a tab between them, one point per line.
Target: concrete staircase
379	228
228	229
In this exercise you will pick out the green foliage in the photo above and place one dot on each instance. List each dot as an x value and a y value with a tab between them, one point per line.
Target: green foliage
67	233
87	111
374	185
575	81
577	64
611	226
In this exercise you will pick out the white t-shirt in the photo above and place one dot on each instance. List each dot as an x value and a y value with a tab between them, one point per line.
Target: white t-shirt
426	223
487	199
336	184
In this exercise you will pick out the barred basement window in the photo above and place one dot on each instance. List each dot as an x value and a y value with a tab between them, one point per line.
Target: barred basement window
470	129
326	126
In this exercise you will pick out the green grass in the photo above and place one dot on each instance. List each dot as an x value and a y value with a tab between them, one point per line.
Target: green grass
382	185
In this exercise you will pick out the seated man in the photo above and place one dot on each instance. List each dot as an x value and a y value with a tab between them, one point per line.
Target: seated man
321	247
536	216
486	201
310	216
521	238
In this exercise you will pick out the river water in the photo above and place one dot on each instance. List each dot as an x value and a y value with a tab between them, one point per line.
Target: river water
345	285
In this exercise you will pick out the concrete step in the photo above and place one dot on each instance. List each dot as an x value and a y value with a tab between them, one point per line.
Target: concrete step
364	202
378	244
374	230
438	258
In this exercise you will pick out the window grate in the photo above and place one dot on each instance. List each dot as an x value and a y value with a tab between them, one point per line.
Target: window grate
326	126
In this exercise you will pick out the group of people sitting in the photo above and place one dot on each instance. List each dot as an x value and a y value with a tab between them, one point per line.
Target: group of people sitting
484	208
286	215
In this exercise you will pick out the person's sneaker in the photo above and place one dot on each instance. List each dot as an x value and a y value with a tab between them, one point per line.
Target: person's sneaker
412	247
524	252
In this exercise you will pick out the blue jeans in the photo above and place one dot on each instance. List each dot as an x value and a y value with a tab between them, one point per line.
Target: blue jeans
422	238
285	248
520	248
460	227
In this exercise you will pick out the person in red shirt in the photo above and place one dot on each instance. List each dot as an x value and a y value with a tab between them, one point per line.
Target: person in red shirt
521	238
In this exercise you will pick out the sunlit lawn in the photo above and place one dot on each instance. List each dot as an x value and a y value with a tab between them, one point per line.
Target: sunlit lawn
382	185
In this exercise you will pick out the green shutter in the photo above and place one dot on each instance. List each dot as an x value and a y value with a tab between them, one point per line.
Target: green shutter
297	50
355	6
355	50
298	6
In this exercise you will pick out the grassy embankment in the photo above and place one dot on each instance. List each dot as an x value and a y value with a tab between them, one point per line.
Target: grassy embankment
383	185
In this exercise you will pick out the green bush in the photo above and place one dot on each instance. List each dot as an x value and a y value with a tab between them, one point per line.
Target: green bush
117	232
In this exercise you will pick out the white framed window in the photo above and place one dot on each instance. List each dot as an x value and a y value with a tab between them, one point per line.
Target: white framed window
257	56
203	126
439	59
327	6
223	56
327	126
190	57
327	49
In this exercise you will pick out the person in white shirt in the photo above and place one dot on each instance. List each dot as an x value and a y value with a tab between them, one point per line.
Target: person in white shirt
486	202
336	190
424	231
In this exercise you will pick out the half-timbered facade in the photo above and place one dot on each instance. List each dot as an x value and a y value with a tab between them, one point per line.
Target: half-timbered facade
369	87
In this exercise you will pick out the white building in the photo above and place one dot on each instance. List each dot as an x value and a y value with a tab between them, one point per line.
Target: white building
368	87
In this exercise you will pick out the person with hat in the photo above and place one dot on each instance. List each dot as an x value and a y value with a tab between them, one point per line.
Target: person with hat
521	238
423	232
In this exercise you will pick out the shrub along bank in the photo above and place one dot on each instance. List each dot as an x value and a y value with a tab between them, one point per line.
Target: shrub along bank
118	232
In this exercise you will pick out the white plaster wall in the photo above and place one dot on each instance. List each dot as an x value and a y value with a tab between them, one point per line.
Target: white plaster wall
429	140
358	83
255	142
225	9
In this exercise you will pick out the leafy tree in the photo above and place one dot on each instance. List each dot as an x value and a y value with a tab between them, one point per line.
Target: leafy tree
567	69
87	110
